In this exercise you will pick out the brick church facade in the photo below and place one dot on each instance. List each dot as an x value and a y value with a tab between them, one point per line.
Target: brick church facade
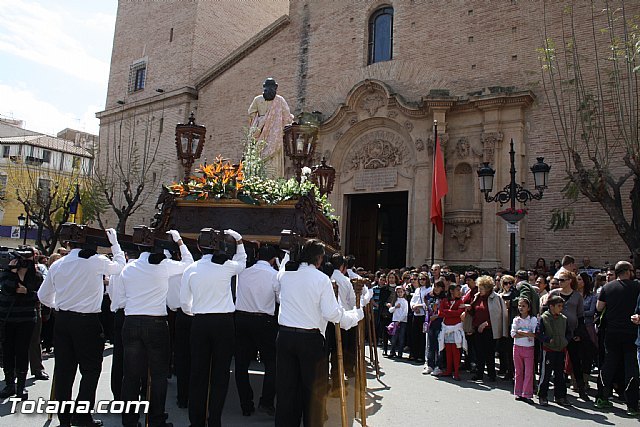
472	66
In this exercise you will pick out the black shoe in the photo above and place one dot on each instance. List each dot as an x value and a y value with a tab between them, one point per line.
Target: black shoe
182	404
8	391
270	409
562	401
22	394
584	396
476	378
43	376
248	411
543	401
85	422
492	379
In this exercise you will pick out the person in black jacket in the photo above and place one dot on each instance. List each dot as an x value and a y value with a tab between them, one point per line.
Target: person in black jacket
19	284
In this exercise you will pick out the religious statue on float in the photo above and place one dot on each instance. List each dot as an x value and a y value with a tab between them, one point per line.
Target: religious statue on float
268	115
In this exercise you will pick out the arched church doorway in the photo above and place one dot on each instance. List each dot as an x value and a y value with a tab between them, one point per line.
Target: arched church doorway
377	229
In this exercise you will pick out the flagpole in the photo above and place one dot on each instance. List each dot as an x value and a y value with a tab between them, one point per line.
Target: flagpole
433	173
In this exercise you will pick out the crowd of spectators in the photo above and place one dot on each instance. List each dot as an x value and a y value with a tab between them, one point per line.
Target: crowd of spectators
561	323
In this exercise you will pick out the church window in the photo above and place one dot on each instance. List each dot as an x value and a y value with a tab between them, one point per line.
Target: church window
137	76
381	35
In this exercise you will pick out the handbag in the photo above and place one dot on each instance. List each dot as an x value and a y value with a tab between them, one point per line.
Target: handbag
392	328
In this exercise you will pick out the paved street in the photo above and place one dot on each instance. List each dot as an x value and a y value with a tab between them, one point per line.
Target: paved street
403	396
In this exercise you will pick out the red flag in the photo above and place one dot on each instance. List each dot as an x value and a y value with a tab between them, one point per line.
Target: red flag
439	188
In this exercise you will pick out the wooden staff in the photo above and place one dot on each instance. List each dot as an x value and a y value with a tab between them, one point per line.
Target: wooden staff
343	391
146	423
374	336
52	393
361	373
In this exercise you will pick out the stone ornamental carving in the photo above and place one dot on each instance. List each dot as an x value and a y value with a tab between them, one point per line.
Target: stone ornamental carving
444	139
337	136
462	233
353	120
490	141
408	126
372	103
392	114
379	149
420	144
463	148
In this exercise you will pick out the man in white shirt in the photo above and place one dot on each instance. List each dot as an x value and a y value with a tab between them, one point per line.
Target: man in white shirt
256	329
307	302
205	293
145	332
181	336
74	288
347	300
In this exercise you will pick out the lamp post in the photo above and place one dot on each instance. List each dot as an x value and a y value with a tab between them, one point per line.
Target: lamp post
300	144
324	177
23	222
513	192
189	143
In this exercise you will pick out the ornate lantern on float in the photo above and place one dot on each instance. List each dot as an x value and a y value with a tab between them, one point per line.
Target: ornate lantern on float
189	143
324	177
300	145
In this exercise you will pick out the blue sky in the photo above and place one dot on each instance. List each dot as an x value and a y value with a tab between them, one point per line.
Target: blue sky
54	62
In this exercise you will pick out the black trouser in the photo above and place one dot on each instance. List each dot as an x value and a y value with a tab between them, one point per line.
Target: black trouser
106	318
574	348
255	332
35	350
506	356
212	343
182	355
418	340
146	349
118	355
79	342
620	346
384	322
552	362
348	339
302	372
15	349
486	352
48	327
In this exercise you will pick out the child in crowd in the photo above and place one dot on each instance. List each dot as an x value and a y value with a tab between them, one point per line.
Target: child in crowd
399	307
452	337
523	333
553	329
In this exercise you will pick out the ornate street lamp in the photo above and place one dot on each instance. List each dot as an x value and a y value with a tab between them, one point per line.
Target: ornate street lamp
22	222
324	177
513	192
300	144
189	143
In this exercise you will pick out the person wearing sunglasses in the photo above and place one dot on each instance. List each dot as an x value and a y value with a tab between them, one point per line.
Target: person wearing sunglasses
573	309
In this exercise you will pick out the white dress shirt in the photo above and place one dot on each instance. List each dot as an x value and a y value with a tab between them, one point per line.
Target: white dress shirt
400	313
116	292
307	301
366	294
206	286
75	284
419	299
173	293
146	285
346	294
257	289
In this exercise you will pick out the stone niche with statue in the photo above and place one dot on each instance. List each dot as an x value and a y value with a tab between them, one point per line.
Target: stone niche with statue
223	194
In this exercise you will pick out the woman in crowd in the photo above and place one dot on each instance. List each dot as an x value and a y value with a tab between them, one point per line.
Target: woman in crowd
541	267
490	321
573	309
599	282
542	285
590	346
434	300
509	295
555	267
418	306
